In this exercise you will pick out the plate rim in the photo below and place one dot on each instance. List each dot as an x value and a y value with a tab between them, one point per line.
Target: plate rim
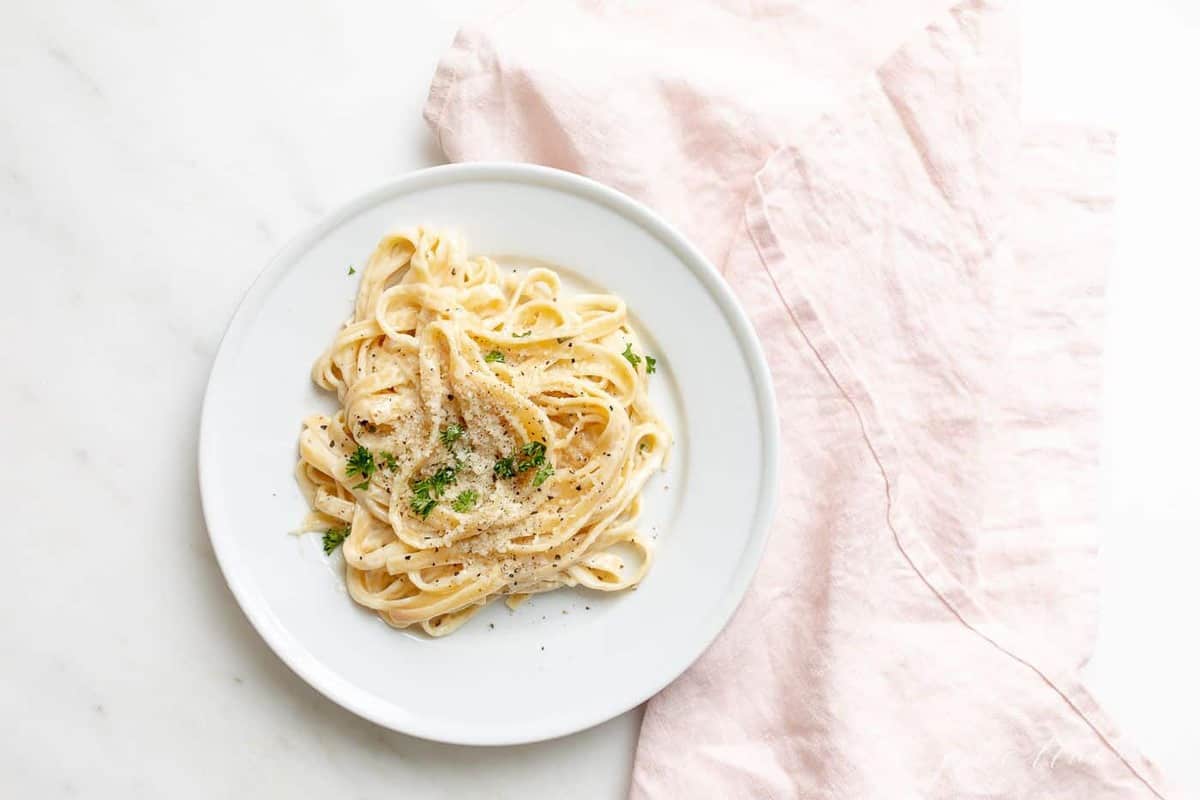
254	605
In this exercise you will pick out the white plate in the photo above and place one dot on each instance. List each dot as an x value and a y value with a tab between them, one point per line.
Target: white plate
565	660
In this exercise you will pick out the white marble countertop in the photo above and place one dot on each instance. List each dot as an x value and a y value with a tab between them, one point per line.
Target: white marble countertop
154	155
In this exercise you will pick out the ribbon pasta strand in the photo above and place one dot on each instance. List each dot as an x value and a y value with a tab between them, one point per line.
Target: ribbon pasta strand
493	436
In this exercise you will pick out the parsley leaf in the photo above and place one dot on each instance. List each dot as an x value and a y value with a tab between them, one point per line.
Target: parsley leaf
522	335
361	463
544	472
495	355
352	270
532	455
428	490
465	501
388	461
533	449
442	478
630	356
451	434
421	503
334	537
651	365
503	468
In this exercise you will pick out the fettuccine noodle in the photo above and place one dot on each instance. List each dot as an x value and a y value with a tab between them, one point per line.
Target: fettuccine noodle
493	436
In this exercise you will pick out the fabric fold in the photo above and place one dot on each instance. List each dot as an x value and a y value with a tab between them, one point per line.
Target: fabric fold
925	271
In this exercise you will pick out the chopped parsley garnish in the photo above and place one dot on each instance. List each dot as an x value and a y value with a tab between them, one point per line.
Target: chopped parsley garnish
544	472
634	359
443	478
352	270
495	355
451	434
388	461
334	537
427	491
532	455
465	501
522	335
361	463
421	503
503	468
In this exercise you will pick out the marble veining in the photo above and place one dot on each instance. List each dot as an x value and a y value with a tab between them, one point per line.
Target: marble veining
68	63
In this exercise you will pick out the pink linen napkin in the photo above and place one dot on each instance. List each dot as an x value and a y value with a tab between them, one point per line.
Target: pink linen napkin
926	273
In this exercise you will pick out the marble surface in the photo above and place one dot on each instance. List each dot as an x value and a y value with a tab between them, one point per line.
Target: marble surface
153	156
